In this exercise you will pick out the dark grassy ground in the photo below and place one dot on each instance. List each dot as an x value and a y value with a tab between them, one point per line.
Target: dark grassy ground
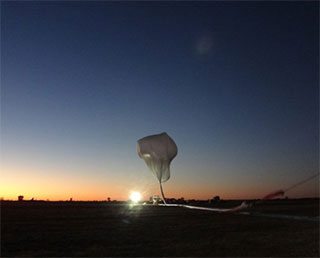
101	229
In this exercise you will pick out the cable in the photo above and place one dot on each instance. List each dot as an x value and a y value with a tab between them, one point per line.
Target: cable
301	182
164	199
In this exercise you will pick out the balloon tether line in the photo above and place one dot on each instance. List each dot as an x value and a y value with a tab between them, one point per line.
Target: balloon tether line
301	182
163	198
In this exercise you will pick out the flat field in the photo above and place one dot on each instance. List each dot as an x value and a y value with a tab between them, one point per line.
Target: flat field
46	229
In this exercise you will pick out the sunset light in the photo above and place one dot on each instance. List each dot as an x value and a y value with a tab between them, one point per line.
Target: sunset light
135	197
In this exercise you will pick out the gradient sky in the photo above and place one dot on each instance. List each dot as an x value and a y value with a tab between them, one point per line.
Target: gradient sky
234	84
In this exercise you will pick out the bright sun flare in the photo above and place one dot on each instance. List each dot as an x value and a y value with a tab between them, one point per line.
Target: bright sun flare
135	197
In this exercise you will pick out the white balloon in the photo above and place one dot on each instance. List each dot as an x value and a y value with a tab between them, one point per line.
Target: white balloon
158	151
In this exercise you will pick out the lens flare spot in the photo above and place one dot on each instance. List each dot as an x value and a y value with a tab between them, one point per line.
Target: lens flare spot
135	197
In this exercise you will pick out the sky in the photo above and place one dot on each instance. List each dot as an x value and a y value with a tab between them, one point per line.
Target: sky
234	84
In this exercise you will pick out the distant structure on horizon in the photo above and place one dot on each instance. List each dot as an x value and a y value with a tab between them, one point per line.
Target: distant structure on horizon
215	199
20	198
155	199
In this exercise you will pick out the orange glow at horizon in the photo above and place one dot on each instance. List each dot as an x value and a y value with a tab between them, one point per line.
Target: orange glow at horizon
55	191
33	184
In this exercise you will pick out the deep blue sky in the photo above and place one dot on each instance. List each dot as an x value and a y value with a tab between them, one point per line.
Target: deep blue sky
234	84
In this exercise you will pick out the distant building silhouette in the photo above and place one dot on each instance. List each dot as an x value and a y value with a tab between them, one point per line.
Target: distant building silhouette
181	201
20	198
109	199
216	198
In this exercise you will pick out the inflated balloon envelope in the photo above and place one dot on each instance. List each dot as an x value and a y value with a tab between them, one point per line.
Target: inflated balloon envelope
158	151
